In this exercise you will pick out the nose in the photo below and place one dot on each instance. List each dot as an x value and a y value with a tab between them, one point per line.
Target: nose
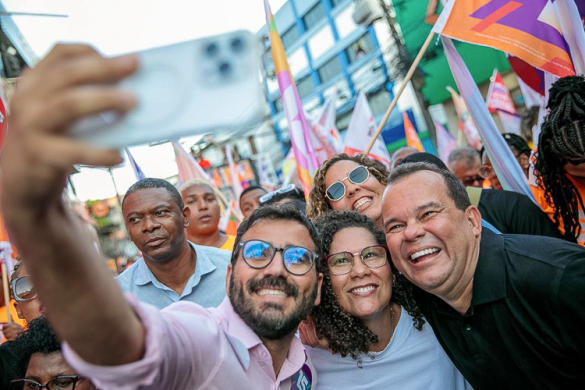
351	188
202	204
276	266
358	270
149	224
413	231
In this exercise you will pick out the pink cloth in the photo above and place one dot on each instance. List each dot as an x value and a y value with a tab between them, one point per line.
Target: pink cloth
189	347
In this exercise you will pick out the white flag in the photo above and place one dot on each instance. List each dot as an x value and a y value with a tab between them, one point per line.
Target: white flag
360	131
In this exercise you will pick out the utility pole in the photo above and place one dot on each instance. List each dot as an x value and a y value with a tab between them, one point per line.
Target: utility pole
417	80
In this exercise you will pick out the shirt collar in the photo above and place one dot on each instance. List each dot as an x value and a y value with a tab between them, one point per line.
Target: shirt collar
204	265
489	280
236	326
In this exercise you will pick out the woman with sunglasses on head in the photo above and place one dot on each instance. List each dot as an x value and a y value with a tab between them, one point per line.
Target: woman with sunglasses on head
349	183
374	331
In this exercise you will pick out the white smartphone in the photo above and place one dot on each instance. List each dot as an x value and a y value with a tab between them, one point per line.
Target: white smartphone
185	89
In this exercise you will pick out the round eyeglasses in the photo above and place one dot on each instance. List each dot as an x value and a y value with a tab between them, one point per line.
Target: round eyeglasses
372	257
23	289
258	254
336	191
62	382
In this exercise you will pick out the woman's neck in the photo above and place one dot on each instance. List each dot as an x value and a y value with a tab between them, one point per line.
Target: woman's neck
383	325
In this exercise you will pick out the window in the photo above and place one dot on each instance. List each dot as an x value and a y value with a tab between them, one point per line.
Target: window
345	24
330	69
335	3
305	86
278	104
314	16
298	60
360	48
290	36
320	42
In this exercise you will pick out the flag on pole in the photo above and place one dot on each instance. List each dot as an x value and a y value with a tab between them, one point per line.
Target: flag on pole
528	75
412	139
326	138
137	171
546	34
234	176
466	123
3	112
507	168
498	96
360	131
446	143
188	167
307	163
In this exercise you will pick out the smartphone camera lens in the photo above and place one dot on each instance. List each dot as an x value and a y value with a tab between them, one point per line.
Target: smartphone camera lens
211	50
237	45
225	68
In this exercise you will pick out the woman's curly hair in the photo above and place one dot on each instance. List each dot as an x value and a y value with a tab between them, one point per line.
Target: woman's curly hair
318	202
347	334
562	141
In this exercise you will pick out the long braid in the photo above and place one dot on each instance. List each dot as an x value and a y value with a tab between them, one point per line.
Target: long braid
562	141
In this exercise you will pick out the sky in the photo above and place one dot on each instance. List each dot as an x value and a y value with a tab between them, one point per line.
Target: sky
123	26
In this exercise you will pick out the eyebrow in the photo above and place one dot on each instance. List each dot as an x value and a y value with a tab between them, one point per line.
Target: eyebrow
160	206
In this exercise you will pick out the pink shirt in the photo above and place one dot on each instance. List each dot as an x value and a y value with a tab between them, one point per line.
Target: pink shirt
189	347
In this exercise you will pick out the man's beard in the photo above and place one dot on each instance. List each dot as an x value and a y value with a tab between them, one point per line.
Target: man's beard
270	321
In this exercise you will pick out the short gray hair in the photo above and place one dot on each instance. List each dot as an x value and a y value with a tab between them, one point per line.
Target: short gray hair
466	154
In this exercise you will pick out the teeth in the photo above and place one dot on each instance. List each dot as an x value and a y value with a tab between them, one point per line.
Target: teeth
272	293
363	289
361	203
428	251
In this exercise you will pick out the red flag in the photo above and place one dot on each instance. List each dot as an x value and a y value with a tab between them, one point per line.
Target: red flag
498	97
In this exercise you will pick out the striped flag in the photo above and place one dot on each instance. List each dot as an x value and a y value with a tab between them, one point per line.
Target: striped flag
412	139
234	175
137	171
188	167
498	96
307	163
326	139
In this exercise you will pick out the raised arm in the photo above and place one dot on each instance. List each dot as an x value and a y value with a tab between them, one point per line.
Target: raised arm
83	302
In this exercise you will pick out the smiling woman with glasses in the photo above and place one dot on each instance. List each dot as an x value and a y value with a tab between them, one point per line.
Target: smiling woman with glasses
371	330
349	183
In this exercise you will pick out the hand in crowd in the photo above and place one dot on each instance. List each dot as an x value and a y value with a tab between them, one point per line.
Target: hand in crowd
11	330
71	82
308	335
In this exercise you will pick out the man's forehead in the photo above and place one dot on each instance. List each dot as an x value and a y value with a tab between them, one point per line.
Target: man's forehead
254	194
148	197
413	189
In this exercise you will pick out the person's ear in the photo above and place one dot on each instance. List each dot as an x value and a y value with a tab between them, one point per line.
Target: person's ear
186	216
18	310
319	284
474	218
227	278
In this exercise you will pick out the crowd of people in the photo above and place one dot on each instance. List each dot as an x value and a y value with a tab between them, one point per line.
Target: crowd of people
421	275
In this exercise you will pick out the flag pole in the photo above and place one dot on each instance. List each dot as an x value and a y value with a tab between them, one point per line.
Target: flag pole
6	294
407	78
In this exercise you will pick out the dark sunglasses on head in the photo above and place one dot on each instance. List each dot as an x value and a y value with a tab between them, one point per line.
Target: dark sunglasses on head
258	254
23	289
336	191
289	189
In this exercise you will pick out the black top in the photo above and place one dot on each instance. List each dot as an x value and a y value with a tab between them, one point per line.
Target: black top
7	365
525	328
514	213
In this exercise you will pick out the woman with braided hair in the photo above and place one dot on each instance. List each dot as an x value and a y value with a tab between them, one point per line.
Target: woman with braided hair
349	183
560	159
371	330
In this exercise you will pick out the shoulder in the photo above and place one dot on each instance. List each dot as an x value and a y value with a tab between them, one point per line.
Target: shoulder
216	255
547	251
129	273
